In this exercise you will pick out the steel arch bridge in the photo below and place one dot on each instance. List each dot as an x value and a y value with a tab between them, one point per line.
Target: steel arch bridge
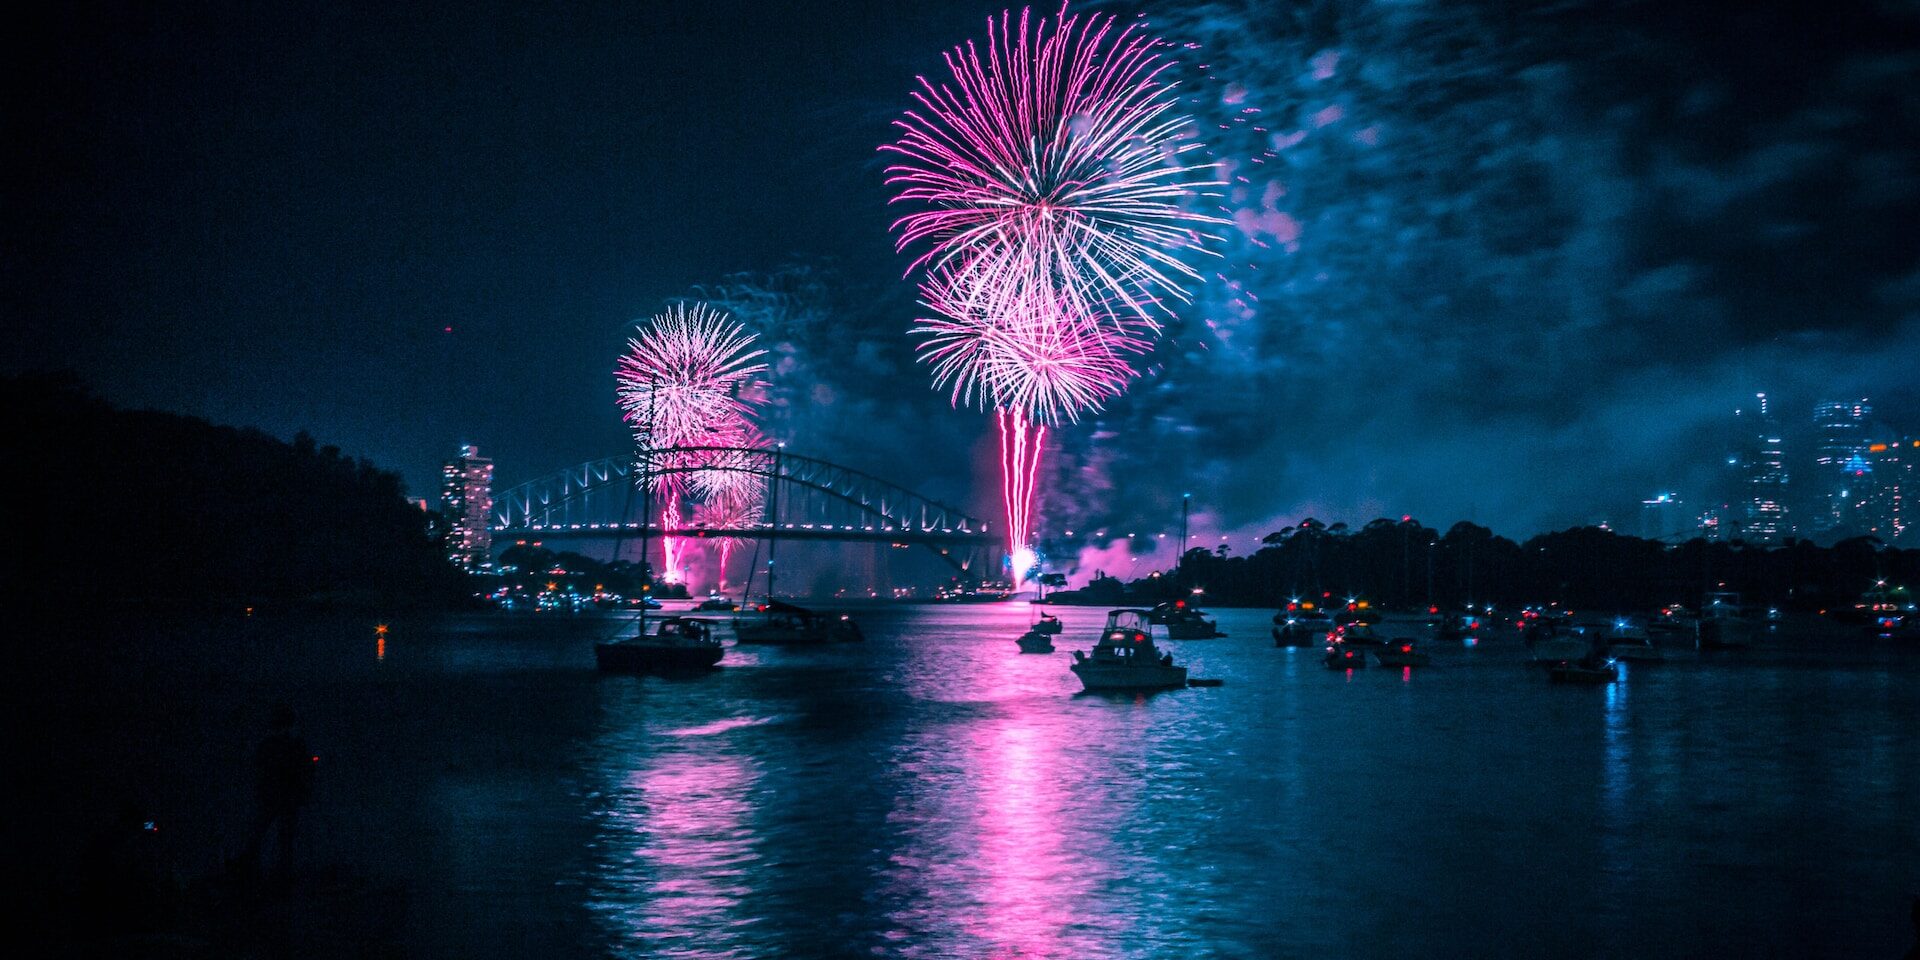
807	499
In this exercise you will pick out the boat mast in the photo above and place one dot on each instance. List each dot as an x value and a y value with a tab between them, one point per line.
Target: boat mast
1180	561
773	514
646	507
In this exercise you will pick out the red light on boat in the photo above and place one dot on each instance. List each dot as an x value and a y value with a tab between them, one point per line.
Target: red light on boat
1406	648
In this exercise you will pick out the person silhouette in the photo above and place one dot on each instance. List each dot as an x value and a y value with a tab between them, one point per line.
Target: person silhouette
283	771
1913	915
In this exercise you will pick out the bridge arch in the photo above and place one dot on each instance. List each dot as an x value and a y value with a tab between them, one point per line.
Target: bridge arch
817	500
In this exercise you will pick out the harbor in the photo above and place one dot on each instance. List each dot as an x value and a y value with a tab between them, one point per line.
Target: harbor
933	792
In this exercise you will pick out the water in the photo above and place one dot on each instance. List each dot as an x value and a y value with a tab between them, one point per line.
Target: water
932	793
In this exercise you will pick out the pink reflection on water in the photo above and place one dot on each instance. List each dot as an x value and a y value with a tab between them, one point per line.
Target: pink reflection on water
682	846
1030	892
1006	850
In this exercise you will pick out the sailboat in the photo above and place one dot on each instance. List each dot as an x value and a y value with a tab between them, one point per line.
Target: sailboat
674	643
779	623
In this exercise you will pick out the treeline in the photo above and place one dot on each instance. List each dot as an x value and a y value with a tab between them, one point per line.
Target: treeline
138	506
1407	565
524	569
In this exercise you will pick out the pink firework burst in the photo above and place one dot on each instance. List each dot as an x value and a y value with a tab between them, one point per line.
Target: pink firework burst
686	371
1004	338
728	514
1062	141
727	472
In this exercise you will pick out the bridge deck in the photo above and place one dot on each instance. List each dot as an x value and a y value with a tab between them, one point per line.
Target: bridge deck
788	531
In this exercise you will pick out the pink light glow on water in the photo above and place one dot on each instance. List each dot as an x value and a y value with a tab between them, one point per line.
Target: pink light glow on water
1324	64
688	817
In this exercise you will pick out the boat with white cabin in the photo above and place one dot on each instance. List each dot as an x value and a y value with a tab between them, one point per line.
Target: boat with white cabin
1125	657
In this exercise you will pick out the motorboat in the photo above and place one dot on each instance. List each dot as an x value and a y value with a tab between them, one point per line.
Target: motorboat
1722	626
1047	625
1184	622
1631	642
1125	657
674	643
1593	669
1555	648
1458	626
1401	653
1674	621
1298	629
716	602
1356	614
1033	641
779	623
1359	633
1342	656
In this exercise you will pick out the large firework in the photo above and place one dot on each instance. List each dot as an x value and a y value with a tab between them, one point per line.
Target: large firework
686	381
1063	141
1052	180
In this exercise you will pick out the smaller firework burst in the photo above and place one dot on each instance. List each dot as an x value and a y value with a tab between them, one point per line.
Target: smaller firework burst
685	371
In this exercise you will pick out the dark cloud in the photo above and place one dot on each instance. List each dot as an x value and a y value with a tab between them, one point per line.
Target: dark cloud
1513	262
1520	263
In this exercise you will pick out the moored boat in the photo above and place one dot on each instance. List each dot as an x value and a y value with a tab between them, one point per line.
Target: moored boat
1585	670
1184	622
1047	625
785	624
1125	657
1631	642
1722	625
1359	634
675	643
1401	653
1341	656
1033	641
1298	629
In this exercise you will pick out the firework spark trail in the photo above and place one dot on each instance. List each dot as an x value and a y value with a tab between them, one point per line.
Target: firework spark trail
1003	338
729	513
1052	179
670	519
1063	142
727	474
682	382
1020	444
685	371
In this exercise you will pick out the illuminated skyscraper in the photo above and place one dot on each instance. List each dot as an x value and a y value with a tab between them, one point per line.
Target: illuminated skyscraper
1842	471
1764	474
466	497
1889	511
1663	518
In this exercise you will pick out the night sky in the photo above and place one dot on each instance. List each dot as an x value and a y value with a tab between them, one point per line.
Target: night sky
1517	264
